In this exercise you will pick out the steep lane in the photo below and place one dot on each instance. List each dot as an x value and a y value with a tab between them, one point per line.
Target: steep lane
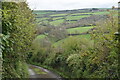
41	73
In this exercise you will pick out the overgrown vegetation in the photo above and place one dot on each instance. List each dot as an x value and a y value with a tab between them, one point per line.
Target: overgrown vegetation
18	28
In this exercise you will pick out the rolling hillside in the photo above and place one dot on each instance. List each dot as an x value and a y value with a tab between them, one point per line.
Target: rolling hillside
75	22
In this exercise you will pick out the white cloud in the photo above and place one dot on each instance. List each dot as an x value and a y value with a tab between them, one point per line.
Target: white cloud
70	4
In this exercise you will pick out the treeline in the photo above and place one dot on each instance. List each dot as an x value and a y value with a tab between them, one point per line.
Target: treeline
81	58
18	28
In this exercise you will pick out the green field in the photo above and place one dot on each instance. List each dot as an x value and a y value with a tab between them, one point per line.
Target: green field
82	13
57	22
96	13
58	15
76	17
87	36
79	29
57	18
101	13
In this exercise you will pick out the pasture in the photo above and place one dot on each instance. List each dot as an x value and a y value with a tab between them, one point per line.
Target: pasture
79	30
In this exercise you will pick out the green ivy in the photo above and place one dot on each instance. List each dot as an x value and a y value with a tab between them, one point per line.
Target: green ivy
18	26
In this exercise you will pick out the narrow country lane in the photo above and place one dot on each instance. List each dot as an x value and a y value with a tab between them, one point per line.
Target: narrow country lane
41	73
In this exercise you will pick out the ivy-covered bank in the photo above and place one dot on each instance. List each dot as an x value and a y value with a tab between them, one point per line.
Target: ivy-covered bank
18	28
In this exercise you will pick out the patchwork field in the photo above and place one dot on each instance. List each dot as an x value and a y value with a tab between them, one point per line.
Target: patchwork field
57	17
73	21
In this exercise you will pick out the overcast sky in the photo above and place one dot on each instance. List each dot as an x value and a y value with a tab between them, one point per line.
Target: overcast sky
70	4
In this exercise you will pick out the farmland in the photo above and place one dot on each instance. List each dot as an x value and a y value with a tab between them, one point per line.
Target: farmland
56	18
74	22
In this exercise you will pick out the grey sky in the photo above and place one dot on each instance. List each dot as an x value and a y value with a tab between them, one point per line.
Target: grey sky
70	4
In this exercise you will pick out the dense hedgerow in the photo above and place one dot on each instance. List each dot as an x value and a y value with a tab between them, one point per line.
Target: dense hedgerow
18	29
